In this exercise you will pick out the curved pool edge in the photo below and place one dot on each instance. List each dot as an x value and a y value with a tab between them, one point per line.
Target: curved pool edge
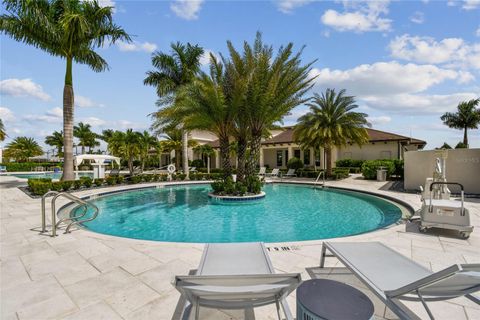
120	189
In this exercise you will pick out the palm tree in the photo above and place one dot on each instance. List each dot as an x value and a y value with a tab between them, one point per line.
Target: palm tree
207	151
174	71
467	117
86	137
273	87
56	140
70	29
146	142
3	134
331	122
22	148
203	105
131	147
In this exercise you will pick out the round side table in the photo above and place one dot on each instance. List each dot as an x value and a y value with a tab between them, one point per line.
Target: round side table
323	299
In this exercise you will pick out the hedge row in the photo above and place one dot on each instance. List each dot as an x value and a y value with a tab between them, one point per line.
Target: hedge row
28	166
43	185
393	167
349	163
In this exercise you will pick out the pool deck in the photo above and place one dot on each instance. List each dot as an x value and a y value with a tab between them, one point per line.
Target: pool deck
84	275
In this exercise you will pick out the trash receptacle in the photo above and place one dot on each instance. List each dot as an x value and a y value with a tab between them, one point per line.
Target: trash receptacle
381	174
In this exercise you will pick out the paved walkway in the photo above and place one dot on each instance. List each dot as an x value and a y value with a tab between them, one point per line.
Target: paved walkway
84	275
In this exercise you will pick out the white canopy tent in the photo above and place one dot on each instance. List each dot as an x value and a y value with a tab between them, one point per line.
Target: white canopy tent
98	163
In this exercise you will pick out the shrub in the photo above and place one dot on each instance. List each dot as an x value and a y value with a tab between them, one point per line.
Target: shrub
369	168
57	186
86	181
120	179
98	182
67	185
40	187
240	188
77	184
111	180
295	163
155	177
147	177
135	179
181	176
197	163
399	167
340	173
254	184
32	181
216	176
217	186
229	186
163	177
461	145
194	176
349	163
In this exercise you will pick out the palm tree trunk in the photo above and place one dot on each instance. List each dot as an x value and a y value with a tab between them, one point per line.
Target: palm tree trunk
68	99
328	159
225	155
253	159
465	137
130	164
208	164
185	153
241	149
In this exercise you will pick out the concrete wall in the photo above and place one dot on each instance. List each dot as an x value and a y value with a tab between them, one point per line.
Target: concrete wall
463	166
379	150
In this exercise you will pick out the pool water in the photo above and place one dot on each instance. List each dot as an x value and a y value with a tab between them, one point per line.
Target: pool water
287	213
52	175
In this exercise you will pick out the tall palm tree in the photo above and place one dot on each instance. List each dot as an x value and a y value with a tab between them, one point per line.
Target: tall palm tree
22	148
203	105
467	117
86	137
274	86
69	29
146	141
3	134
56	140
331	122
207	151
174	71
131	147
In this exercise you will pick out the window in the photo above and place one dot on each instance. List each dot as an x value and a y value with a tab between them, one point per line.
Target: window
386	155
296	153
306	157
279	158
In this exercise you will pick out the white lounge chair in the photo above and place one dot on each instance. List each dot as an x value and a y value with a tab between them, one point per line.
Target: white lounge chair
262	172
290	174
393	277
236	276
275	173
192	169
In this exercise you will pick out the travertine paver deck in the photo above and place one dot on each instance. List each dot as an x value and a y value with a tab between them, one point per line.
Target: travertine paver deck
84	275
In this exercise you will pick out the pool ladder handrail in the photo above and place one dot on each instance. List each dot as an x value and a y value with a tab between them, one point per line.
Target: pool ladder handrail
74	219
321	174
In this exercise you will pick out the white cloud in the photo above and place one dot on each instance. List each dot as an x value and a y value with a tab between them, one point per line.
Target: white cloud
136	46
287	6
417	17
470	4
6	114
94	121
205	58
427	50
23	88
54	115
84	102
386	78
478	32
186	9
359	17
419	104
379	120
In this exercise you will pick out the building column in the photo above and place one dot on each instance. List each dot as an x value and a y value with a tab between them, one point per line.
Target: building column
290	153
262	161
217	159
312	157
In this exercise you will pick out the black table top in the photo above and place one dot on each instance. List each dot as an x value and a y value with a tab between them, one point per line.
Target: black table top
330	299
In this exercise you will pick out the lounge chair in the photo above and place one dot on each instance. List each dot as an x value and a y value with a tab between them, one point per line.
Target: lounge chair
3	169
275	173
290	174
192	169
236	276
114	173
262	172
393	277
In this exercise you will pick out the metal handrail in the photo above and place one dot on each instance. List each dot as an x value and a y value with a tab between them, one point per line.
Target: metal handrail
74	220
321	174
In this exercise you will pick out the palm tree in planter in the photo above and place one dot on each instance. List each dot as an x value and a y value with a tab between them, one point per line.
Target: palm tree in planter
467	117
3	134
69	29
207	151
131	147
86	137
56	140
331	122
146	142
175	71
22	148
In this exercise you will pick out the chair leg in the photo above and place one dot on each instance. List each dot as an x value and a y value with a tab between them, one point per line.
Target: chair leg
278	310
196	305
425	306
322	256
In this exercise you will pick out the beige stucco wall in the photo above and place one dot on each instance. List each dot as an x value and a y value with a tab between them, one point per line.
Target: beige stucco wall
463	166
379	150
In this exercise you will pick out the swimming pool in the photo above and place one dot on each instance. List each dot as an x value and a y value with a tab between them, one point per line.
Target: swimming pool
287	213
51	175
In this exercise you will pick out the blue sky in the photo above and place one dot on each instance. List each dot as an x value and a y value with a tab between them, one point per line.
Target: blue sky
407	62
